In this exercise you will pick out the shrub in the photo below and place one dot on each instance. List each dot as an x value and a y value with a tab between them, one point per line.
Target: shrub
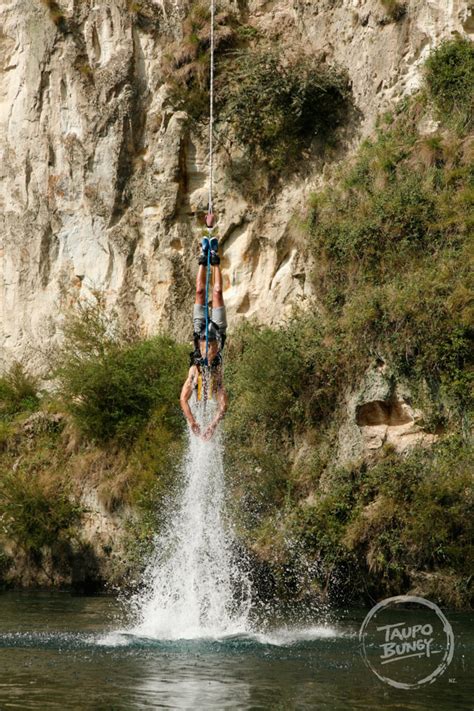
18	391
264	378
34	512
276	106
56	13
111	386
5	433
395	9
152	464
280	380
281	383
392	275
450	81
378	520
392	265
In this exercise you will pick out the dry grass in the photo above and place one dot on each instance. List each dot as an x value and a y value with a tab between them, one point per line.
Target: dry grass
394	9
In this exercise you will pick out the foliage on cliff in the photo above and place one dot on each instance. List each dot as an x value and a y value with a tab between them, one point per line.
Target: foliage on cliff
390	242
111	383
276	106
112	426
271	104
392	255
402	524
450	82
186	64
18	392
395	9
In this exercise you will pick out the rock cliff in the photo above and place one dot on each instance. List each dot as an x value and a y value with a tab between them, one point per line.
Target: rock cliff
102	179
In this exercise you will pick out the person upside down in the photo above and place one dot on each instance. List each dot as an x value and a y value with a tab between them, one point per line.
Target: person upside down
208	374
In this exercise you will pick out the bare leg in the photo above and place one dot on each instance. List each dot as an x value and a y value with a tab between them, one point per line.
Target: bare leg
201	285
217	298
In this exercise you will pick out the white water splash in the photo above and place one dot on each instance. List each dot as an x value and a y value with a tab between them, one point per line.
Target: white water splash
194	587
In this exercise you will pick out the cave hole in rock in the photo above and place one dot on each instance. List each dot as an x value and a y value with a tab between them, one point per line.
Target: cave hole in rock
382	412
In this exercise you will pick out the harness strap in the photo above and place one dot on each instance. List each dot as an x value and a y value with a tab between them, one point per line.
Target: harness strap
206	387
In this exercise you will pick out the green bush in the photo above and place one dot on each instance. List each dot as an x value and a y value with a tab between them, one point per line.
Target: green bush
379	520
263	374
276	106
18	391
5	433
35	513
151	478
392	258
280	381
152	464
111	386
450	81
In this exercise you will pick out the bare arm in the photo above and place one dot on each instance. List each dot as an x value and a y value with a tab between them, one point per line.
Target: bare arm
186	392
223	400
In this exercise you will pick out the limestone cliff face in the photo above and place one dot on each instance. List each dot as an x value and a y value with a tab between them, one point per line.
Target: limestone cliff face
101	179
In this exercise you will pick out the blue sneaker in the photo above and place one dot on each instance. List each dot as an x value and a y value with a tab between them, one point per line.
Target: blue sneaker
204	252
214	247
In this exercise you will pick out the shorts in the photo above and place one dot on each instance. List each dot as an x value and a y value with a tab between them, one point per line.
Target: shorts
217	323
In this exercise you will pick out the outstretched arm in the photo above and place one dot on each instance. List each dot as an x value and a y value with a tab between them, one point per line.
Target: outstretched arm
186	392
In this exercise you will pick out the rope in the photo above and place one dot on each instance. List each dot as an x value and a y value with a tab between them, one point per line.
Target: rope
209	222
211	112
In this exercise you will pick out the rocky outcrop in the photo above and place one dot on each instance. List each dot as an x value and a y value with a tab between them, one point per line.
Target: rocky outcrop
101	179
379	412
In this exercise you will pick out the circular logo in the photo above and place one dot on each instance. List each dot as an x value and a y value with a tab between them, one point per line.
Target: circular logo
406	641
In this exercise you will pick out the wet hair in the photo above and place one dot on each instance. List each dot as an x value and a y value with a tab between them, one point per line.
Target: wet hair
195	358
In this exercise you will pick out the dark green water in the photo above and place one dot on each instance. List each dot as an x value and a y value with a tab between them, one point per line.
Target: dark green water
61	652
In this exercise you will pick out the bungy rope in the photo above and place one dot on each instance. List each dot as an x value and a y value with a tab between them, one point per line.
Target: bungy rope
211	121
210	216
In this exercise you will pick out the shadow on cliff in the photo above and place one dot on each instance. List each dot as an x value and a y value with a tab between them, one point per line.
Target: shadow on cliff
65	565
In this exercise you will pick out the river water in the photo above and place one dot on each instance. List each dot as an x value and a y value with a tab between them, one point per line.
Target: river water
63	652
